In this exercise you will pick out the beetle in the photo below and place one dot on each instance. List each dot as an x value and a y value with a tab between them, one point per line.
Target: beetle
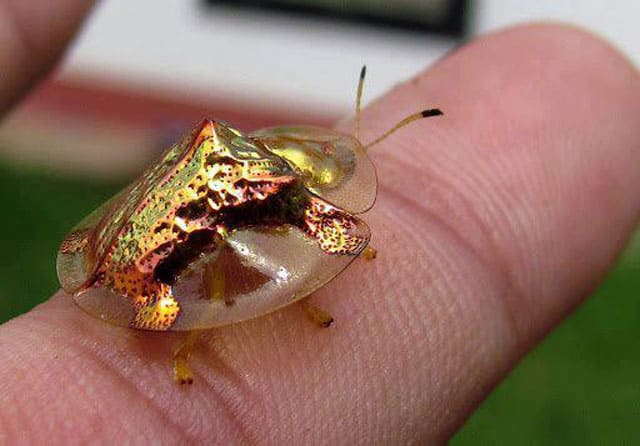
226	227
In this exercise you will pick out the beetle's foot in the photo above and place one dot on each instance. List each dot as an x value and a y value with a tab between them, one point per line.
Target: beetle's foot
369	253
182	371
158	314
317	315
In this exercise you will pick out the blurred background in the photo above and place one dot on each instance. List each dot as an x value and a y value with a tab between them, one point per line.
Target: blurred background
143	72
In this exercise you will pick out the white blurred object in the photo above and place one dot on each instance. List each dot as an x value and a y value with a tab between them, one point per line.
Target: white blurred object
254	56
289	62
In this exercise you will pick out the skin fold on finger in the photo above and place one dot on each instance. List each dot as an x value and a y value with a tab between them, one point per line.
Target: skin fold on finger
492	223
32	37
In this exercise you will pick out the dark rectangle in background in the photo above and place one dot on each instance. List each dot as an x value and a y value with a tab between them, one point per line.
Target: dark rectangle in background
446	17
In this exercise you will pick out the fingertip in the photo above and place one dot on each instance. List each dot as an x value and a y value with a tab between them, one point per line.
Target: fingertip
532	173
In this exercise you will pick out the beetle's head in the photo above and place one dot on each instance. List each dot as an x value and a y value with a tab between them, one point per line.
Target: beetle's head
333	165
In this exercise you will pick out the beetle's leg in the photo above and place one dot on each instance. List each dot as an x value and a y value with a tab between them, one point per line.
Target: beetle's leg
317	315
182	372
369	253
158	312
213	280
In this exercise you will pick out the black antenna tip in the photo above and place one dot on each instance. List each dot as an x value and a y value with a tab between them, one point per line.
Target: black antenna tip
431	112
363	72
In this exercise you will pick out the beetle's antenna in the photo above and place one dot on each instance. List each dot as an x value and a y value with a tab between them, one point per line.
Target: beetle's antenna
406	121
363	73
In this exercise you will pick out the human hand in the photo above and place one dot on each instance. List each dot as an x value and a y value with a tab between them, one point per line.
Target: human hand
492	224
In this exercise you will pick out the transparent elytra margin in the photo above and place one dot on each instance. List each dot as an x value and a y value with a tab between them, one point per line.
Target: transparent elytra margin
264	269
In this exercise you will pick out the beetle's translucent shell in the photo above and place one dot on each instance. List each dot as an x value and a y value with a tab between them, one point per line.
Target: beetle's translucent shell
220	230
334	166
76	259
264	270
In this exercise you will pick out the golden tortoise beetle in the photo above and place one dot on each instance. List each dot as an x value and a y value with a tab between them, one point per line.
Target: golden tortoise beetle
224	228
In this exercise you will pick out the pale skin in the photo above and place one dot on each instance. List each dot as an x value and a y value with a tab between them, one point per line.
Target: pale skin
492	224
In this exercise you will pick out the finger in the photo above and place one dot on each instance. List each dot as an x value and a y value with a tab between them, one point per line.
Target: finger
492	223
32	36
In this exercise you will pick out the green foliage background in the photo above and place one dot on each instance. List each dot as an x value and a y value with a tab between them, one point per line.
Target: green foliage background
579	387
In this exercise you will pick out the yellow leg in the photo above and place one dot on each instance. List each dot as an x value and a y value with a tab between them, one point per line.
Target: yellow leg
214	283
369	253
317	315
182	372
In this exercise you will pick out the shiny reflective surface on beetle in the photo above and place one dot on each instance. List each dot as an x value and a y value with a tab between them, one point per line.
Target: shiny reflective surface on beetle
226	227
150	257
